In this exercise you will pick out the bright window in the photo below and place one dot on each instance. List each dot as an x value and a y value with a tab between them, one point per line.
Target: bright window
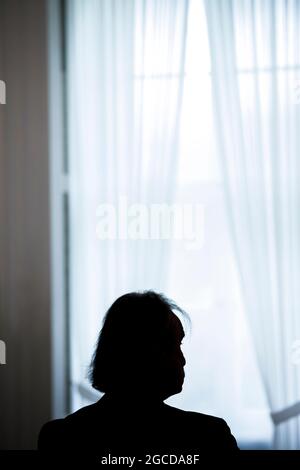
221	372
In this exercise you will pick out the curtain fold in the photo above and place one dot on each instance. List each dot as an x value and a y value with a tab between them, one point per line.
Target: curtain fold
125	69
255	68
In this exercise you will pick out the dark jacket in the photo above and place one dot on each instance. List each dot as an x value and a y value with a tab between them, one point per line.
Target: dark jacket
126	427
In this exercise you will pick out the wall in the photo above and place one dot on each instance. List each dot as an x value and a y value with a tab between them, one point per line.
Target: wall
25	401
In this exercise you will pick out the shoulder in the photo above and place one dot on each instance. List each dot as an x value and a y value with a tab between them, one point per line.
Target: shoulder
211	429
194	415
54	434
50	434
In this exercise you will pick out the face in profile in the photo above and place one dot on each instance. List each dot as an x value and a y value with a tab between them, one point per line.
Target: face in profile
173	360
155	369
139	348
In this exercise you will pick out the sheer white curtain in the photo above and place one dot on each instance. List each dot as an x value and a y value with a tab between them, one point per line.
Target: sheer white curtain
255	70
123	123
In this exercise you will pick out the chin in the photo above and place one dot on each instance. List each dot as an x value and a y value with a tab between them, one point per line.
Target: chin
175	390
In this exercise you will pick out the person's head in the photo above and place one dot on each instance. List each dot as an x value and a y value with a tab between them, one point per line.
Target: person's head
138	349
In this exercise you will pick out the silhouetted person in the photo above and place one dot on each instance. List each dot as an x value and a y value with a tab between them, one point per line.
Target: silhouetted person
138	363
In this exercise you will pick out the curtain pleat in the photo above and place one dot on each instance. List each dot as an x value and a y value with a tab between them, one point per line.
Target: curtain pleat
254	47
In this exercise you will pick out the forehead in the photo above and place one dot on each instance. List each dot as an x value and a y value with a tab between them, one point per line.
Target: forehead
176	326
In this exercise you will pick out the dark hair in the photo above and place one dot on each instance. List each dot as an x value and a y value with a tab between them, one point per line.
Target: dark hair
136	333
